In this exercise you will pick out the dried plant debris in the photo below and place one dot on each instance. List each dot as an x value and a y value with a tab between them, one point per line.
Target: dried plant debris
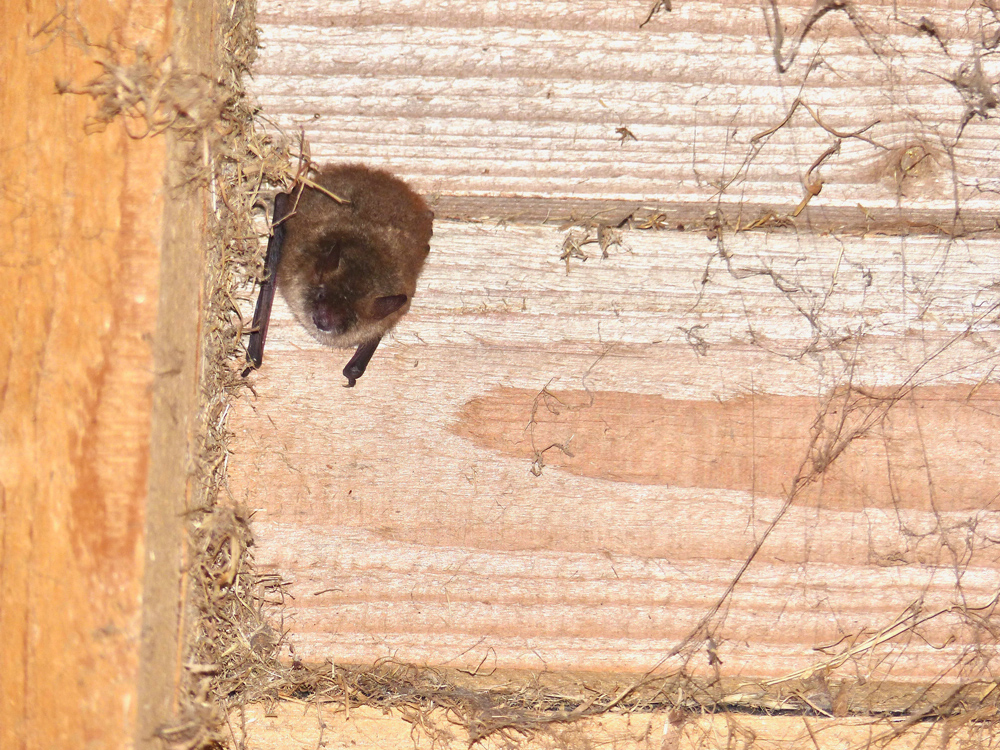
605	236
820	8
459	709
660	6
572	247
232	647
624	134
149	94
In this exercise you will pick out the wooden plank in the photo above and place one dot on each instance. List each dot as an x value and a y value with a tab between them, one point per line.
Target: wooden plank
760	459
516	109
424	515
287	726
177	422
99	366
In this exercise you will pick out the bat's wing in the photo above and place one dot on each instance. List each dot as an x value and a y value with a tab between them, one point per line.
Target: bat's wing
262	315
356	367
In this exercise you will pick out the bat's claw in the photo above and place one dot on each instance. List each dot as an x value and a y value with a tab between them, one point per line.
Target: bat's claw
354	370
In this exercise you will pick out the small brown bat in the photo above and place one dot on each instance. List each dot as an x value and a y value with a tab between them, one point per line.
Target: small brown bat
348	270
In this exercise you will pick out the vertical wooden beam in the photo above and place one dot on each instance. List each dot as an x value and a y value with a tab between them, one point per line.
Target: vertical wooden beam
98	384
177	356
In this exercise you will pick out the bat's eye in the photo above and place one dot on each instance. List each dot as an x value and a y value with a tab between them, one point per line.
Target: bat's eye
328	259
385	306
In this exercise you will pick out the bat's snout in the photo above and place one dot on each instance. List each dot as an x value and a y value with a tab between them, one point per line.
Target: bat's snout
329	319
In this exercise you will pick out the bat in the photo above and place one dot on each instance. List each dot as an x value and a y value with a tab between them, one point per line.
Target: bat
347	270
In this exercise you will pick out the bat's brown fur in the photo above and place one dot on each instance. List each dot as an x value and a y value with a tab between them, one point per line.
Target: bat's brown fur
338	260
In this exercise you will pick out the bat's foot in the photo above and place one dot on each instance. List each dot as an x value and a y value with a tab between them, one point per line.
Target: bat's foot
359	362
352	372
253	362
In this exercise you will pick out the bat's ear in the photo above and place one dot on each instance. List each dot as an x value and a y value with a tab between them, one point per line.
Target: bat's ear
385	306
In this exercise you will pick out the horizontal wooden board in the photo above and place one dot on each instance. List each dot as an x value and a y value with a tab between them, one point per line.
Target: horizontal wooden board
295	725
566	463
530	109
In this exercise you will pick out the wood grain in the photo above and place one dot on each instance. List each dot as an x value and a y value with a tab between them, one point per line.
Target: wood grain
96	401
822	404
290	725
747	456
530	110
755	443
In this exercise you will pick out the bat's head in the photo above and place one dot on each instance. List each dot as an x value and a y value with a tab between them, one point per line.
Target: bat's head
347	288
349	270
351	289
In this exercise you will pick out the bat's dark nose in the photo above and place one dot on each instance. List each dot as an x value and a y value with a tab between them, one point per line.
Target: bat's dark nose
327	319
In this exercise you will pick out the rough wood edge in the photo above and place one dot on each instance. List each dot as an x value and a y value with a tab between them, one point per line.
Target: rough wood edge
178	350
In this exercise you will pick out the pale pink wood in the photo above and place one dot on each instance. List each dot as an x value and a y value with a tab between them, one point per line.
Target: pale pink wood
408	522
514	108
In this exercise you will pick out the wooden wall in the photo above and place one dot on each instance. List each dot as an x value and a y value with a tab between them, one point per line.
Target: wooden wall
99	366
753	440
757	429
